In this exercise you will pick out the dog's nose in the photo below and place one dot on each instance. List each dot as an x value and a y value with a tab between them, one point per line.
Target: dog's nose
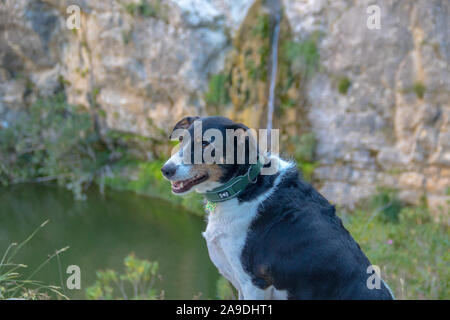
169	170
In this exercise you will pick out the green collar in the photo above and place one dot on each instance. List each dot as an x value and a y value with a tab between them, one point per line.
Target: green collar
235	186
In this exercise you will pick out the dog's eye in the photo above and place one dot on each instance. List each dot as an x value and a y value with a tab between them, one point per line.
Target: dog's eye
205	144
180	139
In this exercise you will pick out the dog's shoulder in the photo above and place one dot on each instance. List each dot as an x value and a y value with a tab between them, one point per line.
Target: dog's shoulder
298	243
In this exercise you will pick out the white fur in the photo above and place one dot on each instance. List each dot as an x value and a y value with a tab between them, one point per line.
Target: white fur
225	236
184	172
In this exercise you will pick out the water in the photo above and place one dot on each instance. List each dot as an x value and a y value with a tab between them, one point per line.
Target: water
273	72
101	231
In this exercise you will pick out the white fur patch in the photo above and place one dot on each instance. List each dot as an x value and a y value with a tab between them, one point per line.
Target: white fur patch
226	234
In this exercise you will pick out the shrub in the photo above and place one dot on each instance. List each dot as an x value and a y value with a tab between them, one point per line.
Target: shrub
137	282
304	152
53	141
344	85
386	205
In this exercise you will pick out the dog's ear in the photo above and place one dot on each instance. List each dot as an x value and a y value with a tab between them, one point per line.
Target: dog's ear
183	124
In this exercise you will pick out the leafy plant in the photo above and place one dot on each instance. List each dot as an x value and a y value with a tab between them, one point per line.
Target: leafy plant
343	85
136	283
304	150
386	205
14	285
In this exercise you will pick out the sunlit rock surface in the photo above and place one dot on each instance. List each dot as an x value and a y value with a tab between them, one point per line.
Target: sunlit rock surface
145	67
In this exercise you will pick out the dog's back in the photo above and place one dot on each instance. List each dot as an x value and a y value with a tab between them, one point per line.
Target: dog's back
298	244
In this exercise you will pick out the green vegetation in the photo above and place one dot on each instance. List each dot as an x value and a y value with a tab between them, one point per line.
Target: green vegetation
343	85
225	290
136	283
58	142
218	94
298	61
15	285
419	89
303	56
262	27
147	8
304	150
412	252
52	142
55	141
386	205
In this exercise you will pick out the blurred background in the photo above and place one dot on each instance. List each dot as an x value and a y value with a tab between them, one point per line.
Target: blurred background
361	96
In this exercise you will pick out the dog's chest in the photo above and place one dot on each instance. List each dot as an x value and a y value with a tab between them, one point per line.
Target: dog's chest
226	235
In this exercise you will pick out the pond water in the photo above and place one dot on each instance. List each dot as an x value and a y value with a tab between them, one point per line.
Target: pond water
101	231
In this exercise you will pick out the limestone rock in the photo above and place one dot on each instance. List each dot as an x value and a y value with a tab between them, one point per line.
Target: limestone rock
147	63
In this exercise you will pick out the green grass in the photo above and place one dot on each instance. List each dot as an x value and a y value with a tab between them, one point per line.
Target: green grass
412	253
386	205
15	285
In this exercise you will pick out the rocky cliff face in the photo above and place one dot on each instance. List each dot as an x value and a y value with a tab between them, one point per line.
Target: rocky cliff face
390	126
379	102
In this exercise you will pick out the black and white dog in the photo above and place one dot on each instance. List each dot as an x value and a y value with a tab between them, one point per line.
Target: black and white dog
272	236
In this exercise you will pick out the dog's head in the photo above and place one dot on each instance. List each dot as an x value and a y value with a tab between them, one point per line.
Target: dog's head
212	150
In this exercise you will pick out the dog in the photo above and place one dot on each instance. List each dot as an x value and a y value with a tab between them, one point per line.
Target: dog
272	236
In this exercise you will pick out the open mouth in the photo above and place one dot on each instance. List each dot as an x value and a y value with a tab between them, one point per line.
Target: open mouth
185	185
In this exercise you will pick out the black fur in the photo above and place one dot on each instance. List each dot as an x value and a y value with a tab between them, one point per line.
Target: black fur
229	171
298	244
